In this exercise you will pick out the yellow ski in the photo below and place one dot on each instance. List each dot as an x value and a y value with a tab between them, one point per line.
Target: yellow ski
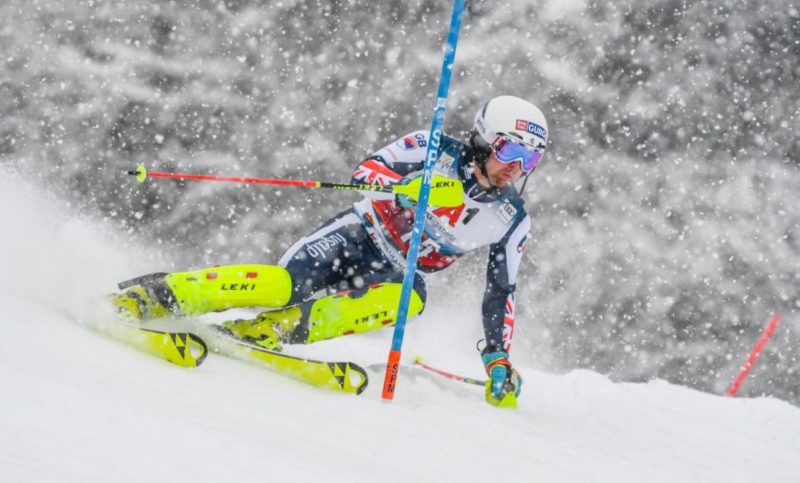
346	377
181	348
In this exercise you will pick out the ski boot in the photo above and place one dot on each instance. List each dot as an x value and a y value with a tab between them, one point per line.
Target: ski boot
267	329
145	298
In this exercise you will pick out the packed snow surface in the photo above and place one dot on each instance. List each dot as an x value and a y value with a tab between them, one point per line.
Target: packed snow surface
77	407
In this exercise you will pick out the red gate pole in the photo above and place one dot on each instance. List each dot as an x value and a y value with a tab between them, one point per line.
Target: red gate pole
753	357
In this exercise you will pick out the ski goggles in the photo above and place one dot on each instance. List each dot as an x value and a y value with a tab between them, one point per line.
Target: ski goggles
508	150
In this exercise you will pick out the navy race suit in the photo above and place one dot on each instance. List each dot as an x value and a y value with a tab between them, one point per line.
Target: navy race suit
494	217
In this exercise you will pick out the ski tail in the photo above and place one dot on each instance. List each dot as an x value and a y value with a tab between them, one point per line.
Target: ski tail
184	349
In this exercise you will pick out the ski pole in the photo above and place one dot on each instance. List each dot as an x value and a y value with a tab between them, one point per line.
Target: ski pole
393	361
448	375
445	192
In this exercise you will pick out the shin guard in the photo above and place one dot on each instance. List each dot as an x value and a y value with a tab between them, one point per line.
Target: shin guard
352	312
207	290
221	288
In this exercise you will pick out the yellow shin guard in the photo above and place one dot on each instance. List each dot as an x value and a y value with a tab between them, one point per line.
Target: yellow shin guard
207	290
220	288
356	312
328	317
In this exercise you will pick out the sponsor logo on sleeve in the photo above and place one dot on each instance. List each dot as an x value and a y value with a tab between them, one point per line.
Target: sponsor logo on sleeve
445	162
392	153
412	142
407	143
321	247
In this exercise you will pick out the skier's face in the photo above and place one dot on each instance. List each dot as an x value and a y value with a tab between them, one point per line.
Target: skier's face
500	174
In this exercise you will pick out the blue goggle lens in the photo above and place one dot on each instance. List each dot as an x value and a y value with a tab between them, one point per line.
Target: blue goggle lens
508	151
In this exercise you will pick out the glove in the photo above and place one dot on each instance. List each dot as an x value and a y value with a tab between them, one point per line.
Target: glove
402	200
504	382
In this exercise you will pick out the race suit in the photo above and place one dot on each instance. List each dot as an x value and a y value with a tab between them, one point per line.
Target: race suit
494	217
359	257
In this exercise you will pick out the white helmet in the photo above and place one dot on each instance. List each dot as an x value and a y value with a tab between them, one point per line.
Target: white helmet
511	116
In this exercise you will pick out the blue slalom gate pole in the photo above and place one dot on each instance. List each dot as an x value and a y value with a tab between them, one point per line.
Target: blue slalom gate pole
434	138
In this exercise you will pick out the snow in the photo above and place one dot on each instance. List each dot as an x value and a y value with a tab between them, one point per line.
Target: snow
663	235
77	407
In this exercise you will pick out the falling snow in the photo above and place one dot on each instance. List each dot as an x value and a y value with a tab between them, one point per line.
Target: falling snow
664	227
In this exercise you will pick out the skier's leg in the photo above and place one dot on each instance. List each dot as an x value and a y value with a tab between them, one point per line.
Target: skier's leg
315	262
341	256
354	312
201	291
330	256
344	313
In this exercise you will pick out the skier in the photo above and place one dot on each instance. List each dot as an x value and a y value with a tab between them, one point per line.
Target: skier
359	256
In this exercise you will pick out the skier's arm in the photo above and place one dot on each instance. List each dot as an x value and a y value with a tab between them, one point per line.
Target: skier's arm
391	163
498	314
501	276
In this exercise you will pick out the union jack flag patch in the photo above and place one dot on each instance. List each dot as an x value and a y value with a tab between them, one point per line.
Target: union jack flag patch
373	172
508	322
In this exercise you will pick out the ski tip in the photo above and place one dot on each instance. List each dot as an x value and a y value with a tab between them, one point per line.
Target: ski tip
417	359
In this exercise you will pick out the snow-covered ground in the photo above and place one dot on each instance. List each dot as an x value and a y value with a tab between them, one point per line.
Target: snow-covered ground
75	406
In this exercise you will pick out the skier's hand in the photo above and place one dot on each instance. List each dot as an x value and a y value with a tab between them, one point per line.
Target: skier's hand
402	200
504	381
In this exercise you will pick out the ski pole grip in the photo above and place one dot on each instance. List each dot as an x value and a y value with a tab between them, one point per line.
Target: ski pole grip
140	172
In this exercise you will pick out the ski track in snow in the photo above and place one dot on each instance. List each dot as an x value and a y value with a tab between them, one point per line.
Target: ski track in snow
77	407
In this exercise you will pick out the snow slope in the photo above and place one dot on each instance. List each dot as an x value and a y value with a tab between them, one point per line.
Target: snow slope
77	407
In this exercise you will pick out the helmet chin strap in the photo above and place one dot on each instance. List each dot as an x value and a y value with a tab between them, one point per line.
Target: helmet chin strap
484	172
482	167
525	181
480	154
492	187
